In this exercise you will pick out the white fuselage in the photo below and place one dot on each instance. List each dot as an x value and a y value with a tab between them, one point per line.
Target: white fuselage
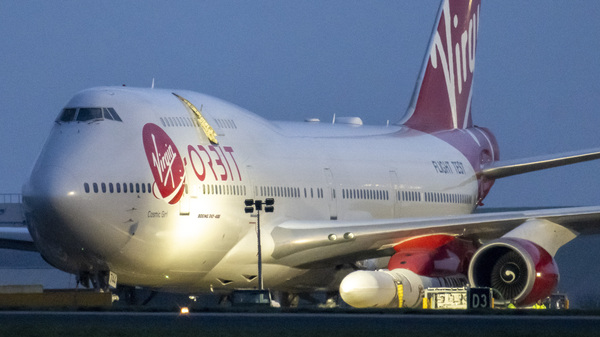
93	203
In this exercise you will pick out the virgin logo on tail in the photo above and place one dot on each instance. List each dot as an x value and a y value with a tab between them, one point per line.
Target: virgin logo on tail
444	93
165	162
458	66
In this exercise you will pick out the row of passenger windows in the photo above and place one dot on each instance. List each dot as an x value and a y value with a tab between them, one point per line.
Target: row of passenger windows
118	188
348	193
87	114
226	123
179	122
290	192
449	198
223	189
192	122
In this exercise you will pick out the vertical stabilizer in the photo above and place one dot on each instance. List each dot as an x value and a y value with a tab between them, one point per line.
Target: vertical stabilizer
442	96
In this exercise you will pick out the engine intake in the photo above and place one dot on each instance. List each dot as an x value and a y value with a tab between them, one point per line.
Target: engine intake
517	268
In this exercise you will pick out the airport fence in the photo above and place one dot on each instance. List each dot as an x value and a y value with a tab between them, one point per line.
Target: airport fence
11	198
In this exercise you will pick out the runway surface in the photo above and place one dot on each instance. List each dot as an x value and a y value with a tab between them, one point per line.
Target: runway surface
91	324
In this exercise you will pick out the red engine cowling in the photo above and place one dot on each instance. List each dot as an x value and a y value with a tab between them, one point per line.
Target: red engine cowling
517	268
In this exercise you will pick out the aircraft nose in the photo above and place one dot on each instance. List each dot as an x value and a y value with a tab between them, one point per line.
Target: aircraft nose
50	203
51	189
62	222
55	211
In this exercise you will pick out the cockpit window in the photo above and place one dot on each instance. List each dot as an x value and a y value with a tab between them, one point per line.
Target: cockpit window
107	114
110	113
87	115
67	115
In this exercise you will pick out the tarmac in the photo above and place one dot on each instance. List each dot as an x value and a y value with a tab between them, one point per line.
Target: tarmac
278	323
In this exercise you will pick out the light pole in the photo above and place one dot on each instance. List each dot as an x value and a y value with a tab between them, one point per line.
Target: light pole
257	205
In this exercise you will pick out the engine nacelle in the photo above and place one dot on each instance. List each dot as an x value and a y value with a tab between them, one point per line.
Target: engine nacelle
391	288
517	268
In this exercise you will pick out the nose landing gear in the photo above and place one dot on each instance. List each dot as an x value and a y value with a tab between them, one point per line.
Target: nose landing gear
100	281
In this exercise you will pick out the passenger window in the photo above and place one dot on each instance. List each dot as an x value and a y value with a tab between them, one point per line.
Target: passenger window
88	114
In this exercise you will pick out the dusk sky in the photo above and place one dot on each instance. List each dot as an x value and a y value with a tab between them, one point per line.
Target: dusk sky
537	77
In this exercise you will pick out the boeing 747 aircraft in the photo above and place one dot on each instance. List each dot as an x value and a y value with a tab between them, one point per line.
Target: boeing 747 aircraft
150	185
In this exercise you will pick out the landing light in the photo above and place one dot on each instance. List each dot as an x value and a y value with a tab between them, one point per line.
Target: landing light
252	205
538	274
184	311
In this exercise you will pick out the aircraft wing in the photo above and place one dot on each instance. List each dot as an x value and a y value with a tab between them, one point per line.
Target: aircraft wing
311	243
16	238
501	169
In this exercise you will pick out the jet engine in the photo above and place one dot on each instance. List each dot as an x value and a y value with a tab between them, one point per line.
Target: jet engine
519	269
391	288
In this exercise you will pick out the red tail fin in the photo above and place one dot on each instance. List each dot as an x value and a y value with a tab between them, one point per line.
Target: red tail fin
442	97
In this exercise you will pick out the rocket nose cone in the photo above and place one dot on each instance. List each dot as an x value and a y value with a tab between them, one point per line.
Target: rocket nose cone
367	289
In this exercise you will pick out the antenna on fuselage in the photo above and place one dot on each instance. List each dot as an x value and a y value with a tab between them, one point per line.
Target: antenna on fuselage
333	121
152	83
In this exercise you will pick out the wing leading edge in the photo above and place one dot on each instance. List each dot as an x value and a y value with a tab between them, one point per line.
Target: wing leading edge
16	238
501	169
309	243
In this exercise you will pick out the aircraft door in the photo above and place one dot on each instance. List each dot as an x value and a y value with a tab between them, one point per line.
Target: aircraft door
394	186
252	188
332	199
184	203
